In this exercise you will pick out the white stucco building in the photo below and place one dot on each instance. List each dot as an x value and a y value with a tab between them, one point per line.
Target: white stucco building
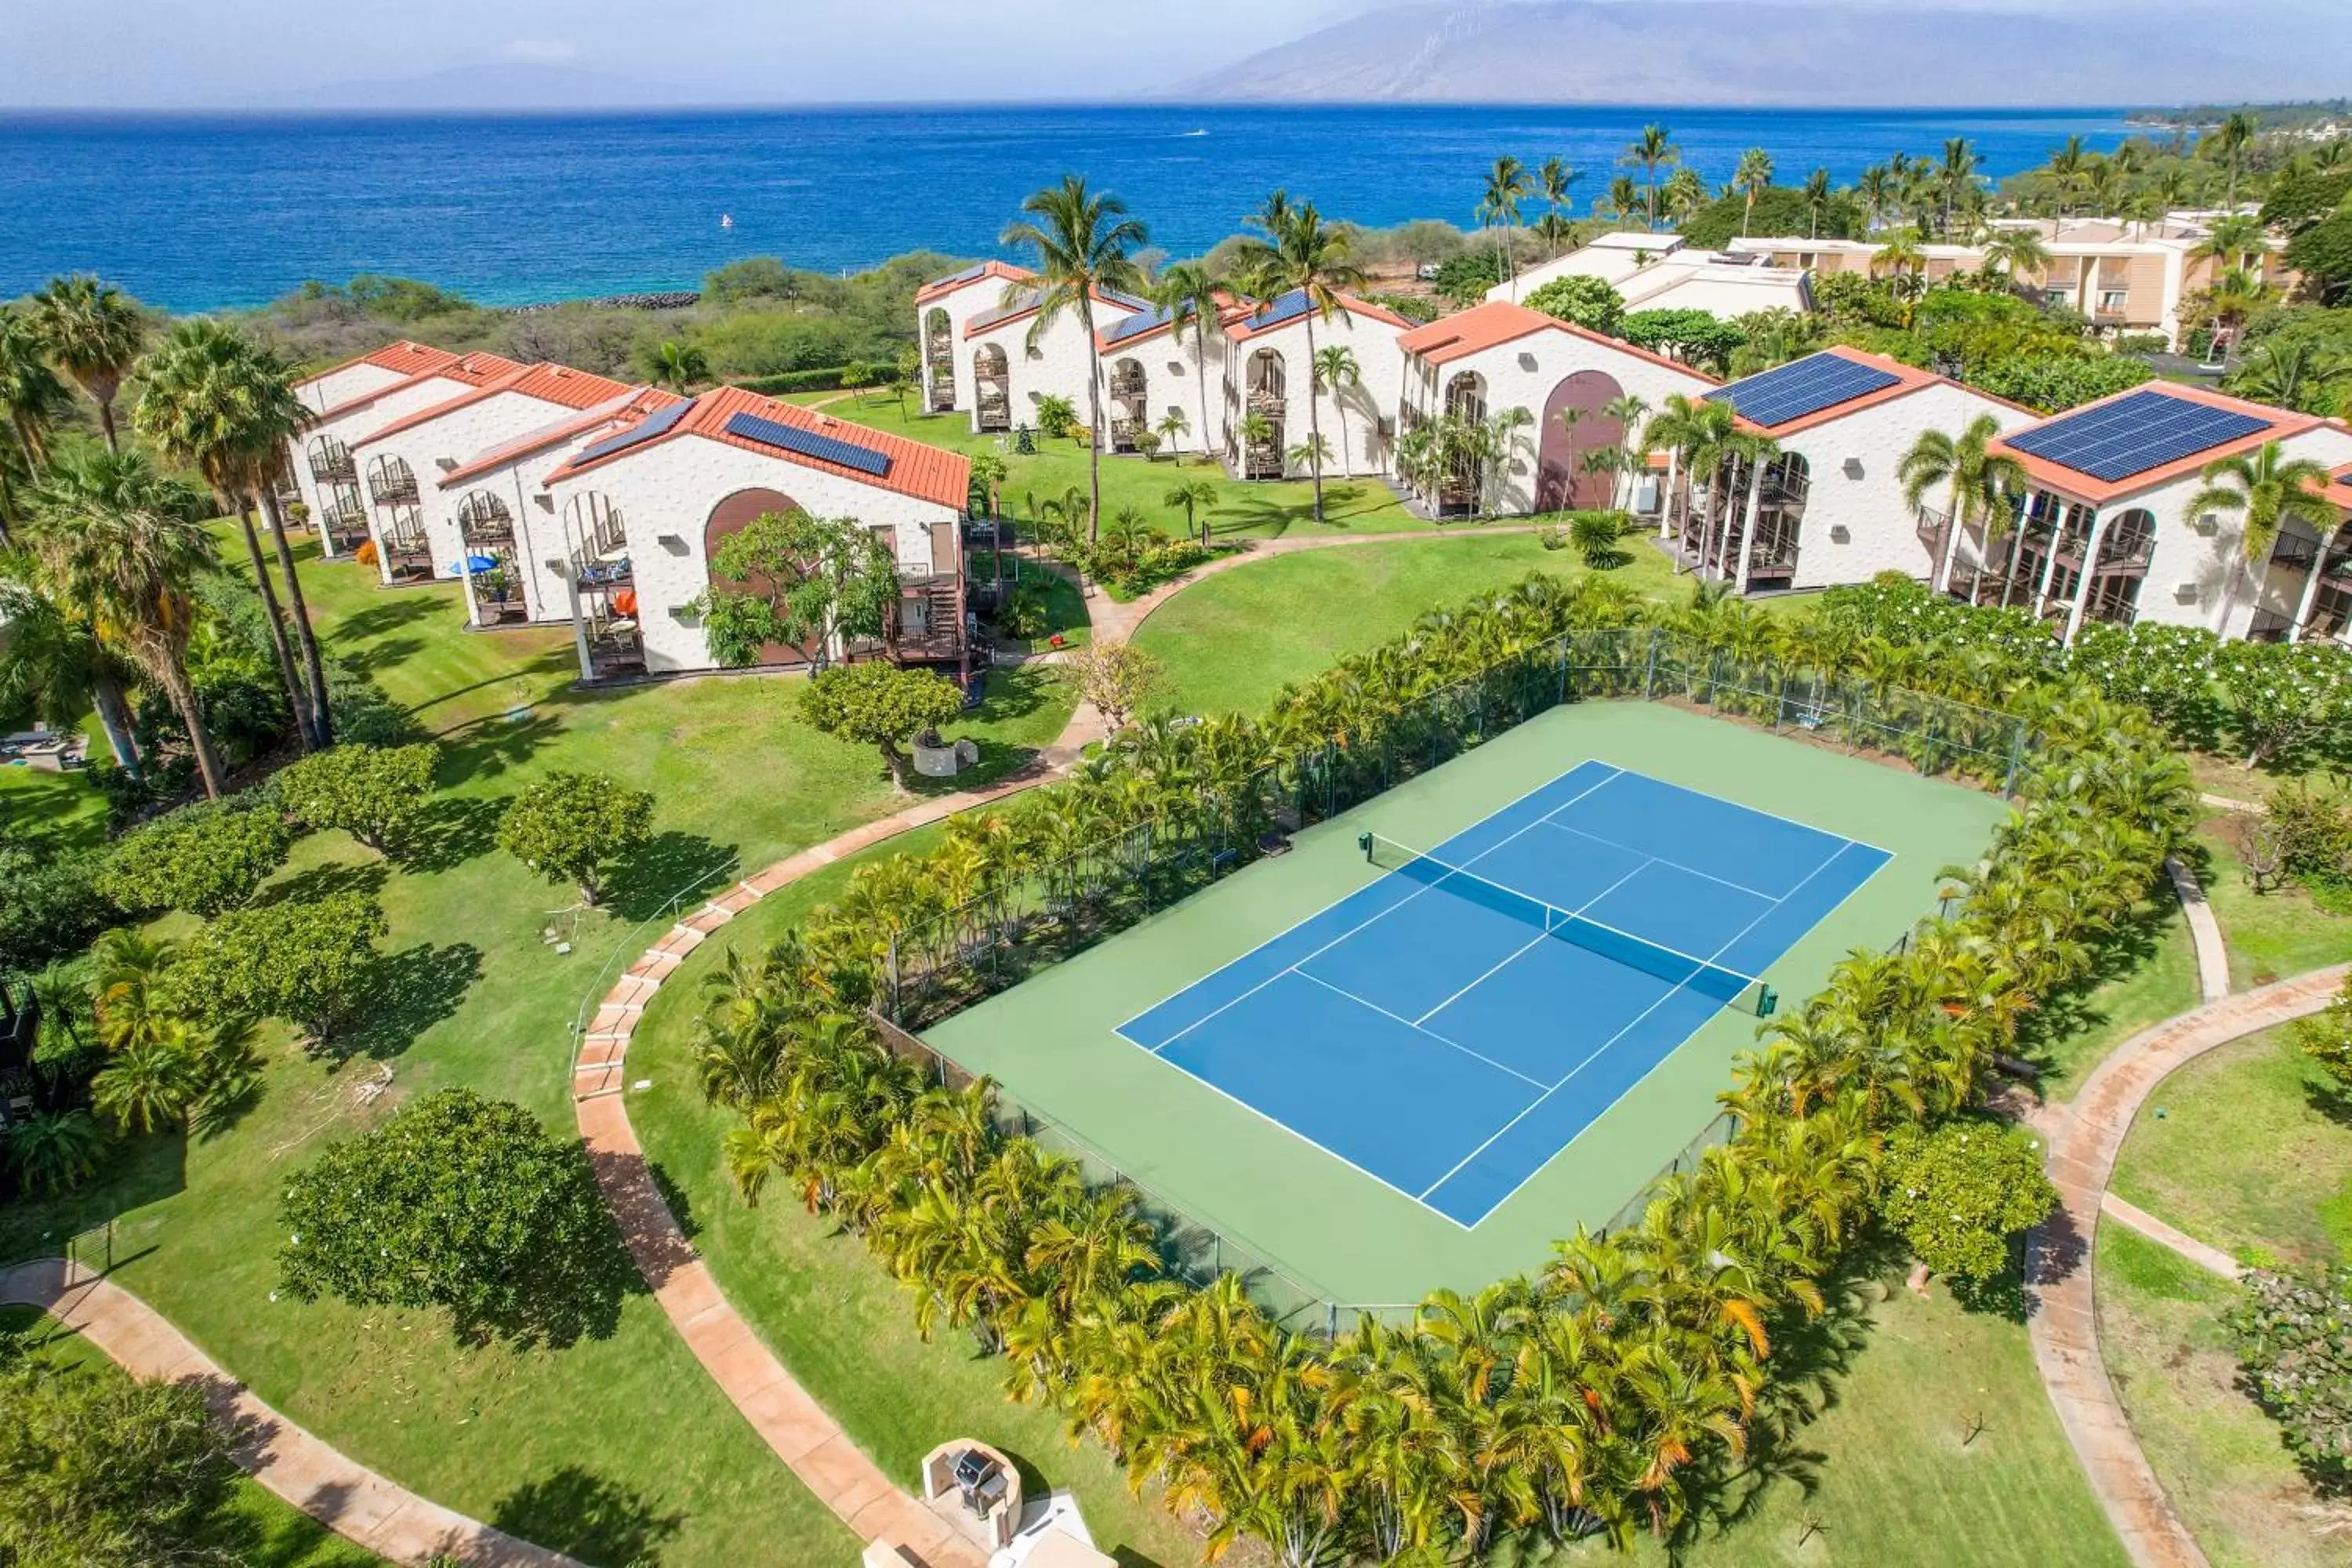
1269	372
347	501
1564	380
943	308
1828	507
2109	485
661	492
1014	357
1659	272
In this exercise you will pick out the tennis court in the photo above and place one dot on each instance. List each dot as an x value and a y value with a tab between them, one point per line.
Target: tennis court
1451	1026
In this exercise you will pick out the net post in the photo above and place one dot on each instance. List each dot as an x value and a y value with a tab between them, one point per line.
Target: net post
1650	666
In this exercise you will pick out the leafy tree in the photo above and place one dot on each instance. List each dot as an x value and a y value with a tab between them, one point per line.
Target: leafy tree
2326	1038
880	705
1776	210
376	793
2295	1340
203	858
403	298
307	962
1958	1194
1695	337
2055	383
2283	696
2323	254
807	582
99	1468
2297	198
463	1204
577	828
1116	678
1464	279
50	907
1587	302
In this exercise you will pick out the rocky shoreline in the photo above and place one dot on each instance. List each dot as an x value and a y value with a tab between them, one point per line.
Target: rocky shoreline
669	299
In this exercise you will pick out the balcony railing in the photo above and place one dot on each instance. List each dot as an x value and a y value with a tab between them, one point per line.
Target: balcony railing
337	467
393	489
2295	553
2269	626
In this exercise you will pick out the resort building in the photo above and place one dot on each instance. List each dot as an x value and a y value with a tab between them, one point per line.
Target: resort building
1151	370
2127	278
656	497
1826	506
479	532
1659	272
943	308
1270	357
1015	359
347	501
1549	389
2106	533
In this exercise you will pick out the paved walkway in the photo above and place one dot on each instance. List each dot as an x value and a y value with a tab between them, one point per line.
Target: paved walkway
2061	1274
348	1498
2204	932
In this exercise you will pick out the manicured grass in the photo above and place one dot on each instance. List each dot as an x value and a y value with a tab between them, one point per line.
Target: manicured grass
59	809
2248	1148
1262	510
2218	1455
2270	935
2146	976
1230	641
270	1532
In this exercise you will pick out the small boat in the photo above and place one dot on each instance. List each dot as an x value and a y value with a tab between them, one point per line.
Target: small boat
727	220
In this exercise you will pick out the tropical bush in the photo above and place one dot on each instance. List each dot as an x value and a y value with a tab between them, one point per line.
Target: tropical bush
1694	337
1586	302
2326	1038
50	906
1393	1439
881	705
376	793
2294	1341
1960	1195
2052	382
577	828
202	858
306	961
464	1204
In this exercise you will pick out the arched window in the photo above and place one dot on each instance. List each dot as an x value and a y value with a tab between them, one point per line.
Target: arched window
483	518
1129	405
331	462
1465	397
992	385
391	482
2126	547
1574	428
1265	410
939	359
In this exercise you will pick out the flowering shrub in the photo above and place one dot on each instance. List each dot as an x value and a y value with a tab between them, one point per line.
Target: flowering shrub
2294	1341
1959	1194
2170	671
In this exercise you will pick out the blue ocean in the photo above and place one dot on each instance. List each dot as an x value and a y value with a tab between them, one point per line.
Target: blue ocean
195	211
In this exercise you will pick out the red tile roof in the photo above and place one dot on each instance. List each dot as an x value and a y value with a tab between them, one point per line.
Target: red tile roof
632	404
403	358
1499	321
545	382
1002	271
2277	425
467	369
925	473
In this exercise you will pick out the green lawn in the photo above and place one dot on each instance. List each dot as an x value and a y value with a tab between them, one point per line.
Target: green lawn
1231	640
2270	935
268	1531
627	1433
2146	976
60	809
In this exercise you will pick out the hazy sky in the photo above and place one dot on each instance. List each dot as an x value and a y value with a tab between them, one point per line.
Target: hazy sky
178	53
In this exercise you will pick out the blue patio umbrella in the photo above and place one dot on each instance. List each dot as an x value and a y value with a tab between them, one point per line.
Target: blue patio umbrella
474	565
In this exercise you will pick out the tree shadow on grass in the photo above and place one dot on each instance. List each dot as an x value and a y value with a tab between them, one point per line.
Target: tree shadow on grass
672	865
318	882
494	748
585	1515
383	617
452	830
409	993
2074	1010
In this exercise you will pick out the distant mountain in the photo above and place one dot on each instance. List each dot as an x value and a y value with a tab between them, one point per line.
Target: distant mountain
1717	52
490	88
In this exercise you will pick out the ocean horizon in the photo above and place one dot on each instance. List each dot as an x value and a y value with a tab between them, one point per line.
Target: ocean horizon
208	210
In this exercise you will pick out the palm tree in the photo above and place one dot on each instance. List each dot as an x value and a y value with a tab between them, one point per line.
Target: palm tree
1956	174
678	365
1172	427
1189	295
1554	179
1083	242
1652	150
2019	251
2293	373
1753	177
55	1152
2267	490
33	399
1873	186
93	331
121	546
1816	194
2067	167
2231	139
2235	241
1336	371
1628	409
194	405
1306	256
1192	495
1623	200
52	664
1981	484
1903	263
1508	185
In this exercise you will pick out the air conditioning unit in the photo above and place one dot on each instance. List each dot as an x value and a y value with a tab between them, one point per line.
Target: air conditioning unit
2186	594
2209	523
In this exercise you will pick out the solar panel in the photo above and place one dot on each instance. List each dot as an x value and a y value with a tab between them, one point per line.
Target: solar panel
1275	313
966	276
1821	381
1025	300
646	429
2136	432
1136	326
809	443
1127	302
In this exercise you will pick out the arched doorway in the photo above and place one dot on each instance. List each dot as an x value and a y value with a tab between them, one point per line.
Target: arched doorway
1265	414
1463	480
486	534
1129	403
1575	426
729	517
991	387
2126	547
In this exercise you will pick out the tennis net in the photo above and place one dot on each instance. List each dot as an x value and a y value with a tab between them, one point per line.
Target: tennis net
1741	992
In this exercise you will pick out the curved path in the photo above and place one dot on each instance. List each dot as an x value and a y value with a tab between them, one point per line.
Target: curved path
2085	1135
348	1498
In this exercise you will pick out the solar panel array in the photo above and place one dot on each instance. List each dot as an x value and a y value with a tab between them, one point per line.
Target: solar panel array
644	429
976	269
1805	387
2136	432
809	443
1126	301
1136	326
1275	313
1024	300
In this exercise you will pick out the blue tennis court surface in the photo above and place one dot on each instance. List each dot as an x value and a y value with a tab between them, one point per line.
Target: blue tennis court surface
1430	1031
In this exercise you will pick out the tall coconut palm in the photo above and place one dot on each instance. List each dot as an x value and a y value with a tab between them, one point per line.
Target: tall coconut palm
2019	252
2237	240
1554	180
32	400
121	545
275	417
2231	139
194	404
1981	485
1508	185
1082	242
1307	257
1753	177
52	664
1652	150
1817	192
1190	298
2266	490
2067	167
94	333
1337	372
1872	186
1956	174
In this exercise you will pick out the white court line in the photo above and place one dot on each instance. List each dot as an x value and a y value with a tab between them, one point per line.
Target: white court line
1661	859
1416	1029
1361	925
1620	1034
1543	935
